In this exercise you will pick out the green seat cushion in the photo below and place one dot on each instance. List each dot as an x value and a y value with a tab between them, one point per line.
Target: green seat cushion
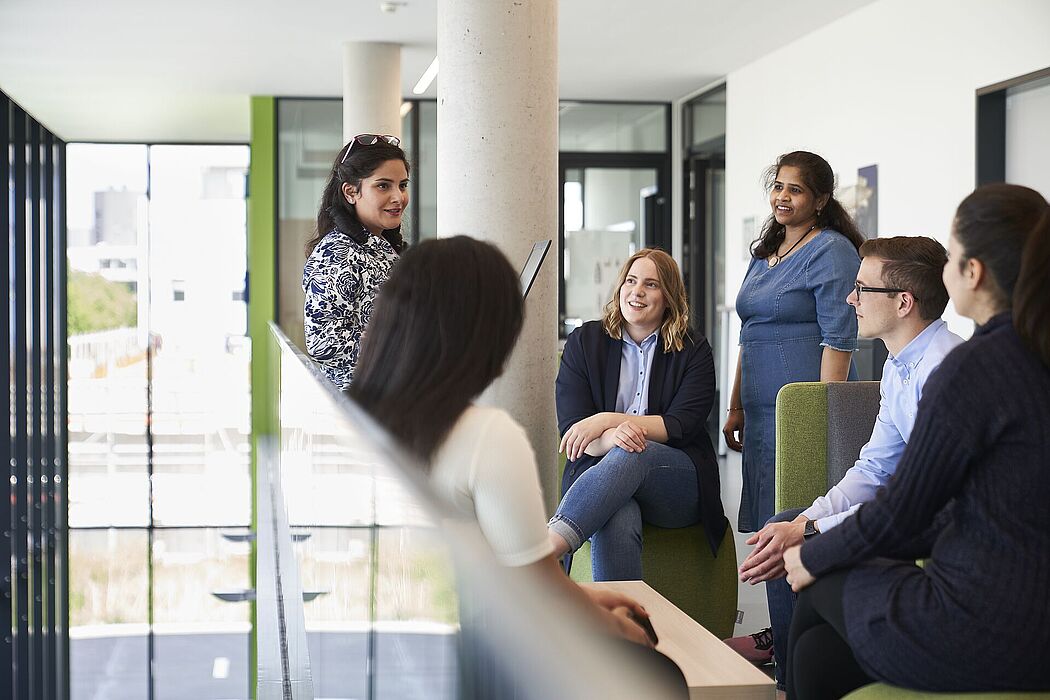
882	691
678	564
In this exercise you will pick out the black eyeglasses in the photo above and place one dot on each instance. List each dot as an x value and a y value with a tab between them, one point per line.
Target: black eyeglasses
369	140
858	287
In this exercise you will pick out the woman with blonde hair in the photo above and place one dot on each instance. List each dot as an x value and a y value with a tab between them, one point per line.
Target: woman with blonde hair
633	394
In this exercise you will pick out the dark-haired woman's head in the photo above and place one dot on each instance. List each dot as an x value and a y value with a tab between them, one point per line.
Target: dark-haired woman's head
444	325
999	259
801	187
367	188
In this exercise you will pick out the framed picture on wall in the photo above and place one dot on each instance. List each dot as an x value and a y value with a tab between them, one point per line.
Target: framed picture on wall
750	233
861	200
867	200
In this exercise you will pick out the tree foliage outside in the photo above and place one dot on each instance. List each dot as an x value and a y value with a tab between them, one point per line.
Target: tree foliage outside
97	304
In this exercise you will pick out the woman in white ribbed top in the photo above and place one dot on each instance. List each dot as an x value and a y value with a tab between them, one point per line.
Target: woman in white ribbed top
444	324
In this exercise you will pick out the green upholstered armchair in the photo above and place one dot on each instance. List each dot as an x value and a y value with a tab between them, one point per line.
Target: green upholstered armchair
821	427
820	430
678	564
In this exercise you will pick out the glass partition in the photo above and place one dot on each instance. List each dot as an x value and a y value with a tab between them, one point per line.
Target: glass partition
704	236
705	122
622	148
1028	106
612	127
385	591
309	135
424	175
605	221
380	586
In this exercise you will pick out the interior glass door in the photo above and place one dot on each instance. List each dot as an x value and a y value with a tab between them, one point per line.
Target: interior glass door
608	214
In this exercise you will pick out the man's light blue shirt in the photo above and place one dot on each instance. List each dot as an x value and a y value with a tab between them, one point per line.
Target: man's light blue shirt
632	395
903	378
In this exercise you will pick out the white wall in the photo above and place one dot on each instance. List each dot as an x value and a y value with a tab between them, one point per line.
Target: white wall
892	83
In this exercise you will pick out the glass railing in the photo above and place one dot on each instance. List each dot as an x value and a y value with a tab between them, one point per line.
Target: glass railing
371	587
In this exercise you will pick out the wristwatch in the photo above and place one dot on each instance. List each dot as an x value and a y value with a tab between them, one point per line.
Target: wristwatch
810	529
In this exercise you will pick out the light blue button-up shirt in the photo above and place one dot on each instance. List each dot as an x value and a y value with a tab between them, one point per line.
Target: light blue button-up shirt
903	378
632	395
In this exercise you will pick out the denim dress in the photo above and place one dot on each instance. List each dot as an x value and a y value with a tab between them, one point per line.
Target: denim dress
788	314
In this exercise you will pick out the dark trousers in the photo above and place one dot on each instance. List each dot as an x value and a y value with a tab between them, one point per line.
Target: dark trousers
820	661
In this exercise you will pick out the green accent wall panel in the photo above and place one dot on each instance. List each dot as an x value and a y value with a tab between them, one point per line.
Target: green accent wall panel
262	304
262	257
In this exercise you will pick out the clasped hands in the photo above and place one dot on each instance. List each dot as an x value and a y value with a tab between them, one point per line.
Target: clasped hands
624	434
776	554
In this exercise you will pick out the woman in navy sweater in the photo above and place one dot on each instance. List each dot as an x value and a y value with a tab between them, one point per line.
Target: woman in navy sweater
971	494
633	394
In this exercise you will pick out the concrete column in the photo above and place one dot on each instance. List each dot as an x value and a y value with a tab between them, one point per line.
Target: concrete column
371	89
497	178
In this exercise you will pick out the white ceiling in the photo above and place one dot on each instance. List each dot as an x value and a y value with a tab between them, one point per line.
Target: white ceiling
135	70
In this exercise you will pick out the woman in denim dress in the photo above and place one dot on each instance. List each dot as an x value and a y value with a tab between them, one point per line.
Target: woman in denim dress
796	325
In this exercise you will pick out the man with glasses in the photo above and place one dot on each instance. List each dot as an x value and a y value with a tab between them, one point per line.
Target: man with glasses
899	297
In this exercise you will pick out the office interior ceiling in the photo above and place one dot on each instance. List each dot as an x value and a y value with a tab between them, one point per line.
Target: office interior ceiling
159	71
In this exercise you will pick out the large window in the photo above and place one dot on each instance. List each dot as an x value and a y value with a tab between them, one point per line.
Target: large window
159	408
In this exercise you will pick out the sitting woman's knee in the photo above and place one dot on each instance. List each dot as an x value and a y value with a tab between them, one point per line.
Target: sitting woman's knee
620	456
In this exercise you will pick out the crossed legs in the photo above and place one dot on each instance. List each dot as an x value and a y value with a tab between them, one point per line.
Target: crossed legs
608	503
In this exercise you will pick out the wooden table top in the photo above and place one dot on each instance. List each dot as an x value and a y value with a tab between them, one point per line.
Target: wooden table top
711	669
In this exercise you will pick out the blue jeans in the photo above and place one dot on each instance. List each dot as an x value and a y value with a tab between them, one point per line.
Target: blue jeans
781	601
609	501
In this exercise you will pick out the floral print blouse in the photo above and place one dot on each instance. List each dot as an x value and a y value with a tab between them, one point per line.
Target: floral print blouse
341	279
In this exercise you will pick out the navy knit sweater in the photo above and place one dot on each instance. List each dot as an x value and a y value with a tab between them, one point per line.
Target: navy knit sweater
978	616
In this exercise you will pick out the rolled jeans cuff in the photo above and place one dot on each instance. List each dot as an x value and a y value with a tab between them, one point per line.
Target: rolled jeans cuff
568	530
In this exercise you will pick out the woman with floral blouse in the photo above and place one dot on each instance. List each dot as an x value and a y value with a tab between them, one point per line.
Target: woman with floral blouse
357	241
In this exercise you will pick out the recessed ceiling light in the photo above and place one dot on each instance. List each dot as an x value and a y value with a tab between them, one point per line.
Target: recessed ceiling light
427	78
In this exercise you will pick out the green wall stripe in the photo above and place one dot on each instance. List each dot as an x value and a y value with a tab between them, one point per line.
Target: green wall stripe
262	304
262	255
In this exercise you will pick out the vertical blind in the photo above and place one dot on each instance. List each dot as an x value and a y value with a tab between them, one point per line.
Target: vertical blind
33	549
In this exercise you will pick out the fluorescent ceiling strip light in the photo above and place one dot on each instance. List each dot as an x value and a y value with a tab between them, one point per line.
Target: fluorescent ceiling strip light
426	79
406	107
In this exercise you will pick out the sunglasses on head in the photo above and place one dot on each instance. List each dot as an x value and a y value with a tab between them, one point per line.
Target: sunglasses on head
369	140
